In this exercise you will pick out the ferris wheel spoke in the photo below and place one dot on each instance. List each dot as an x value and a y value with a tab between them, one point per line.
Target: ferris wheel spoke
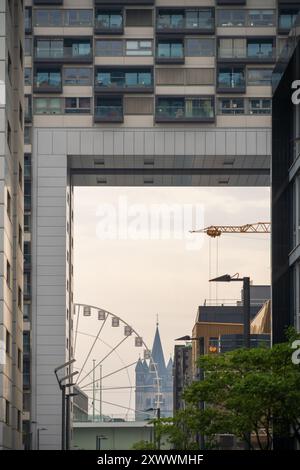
124	407
104	358
119	388
91	349
112	373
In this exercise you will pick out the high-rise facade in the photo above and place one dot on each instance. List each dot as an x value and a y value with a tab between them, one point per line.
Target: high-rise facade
120	92
11	222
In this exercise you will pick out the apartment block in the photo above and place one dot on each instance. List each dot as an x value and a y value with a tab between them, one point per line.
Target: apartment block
130	93
11	222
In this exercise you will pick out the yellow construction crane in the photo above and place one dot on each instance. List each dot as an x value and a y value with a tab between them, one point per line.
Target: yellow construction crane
217	230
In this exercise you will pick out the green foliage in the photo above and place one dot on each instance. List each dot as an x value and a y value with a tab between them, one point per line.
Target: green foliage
245	391
143	445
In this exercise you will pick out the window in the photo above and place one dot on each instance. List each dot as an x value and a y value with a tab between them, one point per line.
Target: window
19	359
259	106
27	135
8	136
48	18
262	48
232	48
260	77
49	48
28	108
20	238
20	298
123	78
77	76
27	254
182	108
47	78
8	202
20	176
26	343
261	18
286	18
9	66
78	17
28	19
27	194
170	49
27	76
231	77
47	106
19	421
27	166
28	46
27	285
231	18
77	105
140	17
109	107
7	342
8	274
199	47
199	18
140	47
231	106
109	48
26	311
106	19
7	412
27	223
20	115
21	54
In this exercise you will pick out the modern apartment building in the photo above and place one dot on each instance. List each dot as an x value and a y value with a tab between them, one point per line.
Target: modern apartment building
11	222
286	190
130	92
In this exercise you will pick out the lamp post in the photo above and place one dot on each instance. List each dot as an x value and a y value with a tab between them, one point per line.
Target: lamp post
247	316
246	301
63	387
38	437
158	419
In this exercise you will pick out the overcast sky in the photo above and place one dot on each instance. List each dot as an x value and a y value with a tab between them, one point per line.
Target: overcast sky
140	279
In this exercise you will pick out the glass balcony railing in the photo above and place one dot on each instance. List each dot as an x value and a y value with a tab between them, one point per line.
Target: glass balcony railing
75	53
179	22
109	113
111	22
185	112
231	80
45	82
128	80
251	52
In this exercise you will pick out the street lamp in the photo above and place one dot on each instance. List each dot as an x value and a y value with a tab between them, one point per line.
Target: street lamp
158	419
246	301
98	441
38	437
63	391
68	396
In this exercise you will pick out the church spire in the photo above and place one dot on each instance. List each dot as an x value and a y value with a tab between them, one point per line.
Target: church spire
157	352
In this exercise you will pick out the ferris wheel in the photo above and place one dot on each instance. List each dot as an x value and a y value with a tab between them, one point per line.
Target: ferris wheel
107	350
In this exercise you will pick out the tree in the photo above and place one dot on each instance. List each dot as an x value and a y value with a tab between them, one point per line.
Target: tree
246	392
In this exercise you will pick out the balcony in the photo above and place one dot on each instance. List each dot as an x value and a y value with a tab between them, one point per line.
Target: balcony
231	2
170	52
48	2
63	50
252	51
28	20
124	80
185	109
109	21
124	2
47	80
108	109
185	21
286	19
231	80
